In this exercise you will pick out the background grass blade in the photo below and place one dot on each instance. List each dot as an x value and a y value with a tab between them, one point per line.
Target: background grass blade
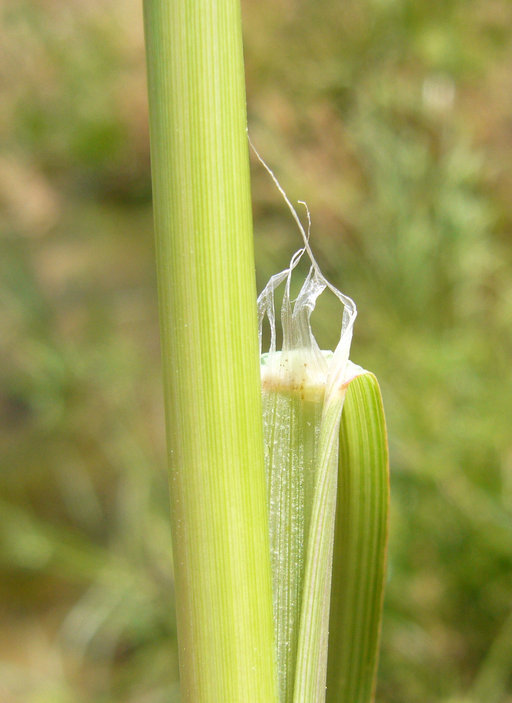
360	545
491	682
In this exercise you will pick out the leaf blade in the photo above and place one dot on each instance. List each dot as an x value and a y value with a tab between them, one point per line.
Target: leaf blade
360	545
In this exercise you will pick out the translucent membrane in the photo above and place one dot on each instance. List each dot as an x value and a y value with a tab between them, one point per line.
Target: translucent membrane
303	390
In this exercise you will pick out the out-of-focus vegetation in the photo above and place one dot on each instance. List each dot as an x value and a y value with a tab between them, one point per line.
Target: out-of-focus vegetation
393	119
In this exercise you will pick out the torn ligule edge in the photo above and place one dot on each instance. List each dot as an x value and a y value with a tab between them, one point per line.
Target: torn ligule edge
317	366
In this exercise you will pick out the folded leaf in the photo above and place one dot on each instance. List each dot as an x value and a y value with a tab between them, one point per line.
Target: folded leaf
360	545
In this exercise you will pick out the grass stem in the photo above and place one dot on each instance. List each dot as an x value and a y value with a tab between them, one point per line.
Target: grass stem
206	284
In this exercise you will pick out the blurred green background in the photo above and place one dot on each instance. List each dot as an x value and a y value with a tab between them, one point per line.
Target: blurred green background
393	119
